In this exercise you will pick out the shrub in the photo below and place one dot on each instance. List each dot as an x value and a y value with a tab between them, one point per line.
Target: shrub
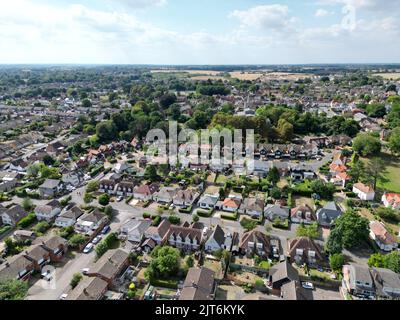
77	277
174	220
277	223
104	199
156	221
76	240
146	215
170	284
204	213
5	229
230	216
248	224
186	210
41	227
27	221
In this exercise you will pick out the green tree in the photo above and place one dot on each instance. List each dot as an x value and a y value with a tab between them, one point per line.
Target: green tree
274	175
87	197
109	212
104	199
375	171
76	240
86	103
27	204
92	186
376	260
106	131
376	110
310	231
164	263
336	262
13	289
76	278
275	193
151	173
394	141
366	144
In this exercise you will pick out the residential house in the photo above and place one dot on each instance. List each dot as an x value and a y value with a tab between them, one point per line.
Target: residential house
230	204
72	178
391	200
255	243
125	188
327	215
387	283
364	192
50	188
219	240
383	238
110	266
305	250
341	179
208	201
253	207
17	267
55	245
69	217
91	222
145	192
49	211
24	235
357	280
303	214
122	167
13	215
273	212
280	275
302	172
55	148
199	285
156	235
38	255
294	291
186	198
134	229
107	186
184	237
165	195
89	289
8	180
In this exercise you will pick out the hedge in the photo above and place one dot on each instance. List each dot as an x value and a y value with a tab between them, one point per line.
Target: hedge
205	213
156	221
186	210
174	220
170	284
230	216
146	215
5	229
27	221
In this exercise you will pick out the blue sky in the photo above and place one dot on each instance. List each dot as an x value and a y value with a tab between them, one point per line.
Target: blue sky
199	32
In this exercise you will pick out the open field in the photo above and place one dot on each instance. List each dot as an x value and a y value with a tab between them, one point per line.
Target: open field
246	75
206	77
286	75
392	173
388	75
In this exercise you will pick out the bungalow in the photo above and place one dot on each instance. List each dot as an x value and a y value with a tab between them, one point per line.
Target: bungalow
208	201
305	250
219	240
303	214
145	192
229	204
69	217
13	215
134	229
357	280
90	222
50	188
327	215
17	267
383	238
391	200
199	285
253	207
186	198
255	243
49	211
89	289
364	192
165	195
125	188
186	238
158	234
273	212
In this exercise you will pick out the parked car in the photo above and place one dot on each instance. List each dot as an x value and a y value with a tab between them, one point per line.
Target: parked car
97	240
88	248
47	276
63	296
120	198
307	285
85	271
105	230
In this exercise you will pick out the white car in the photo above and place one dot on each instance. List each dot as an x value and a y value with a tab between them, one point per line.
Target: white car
88	248
85	271
96	240
63	296
205	231
307	285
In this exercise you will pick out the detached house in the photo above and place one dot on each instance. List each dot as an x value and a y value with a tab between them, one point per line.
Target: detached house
199	285
230	204
391	200
327	215
55	245
273	212
49	211
134	229
305	250
281	274
186	198
17	267
91	289
255	243
145	192
165	195
387	283
383	238
364	192
220	239
50	188
208	201
357	280
13	215
156	235
38	255
69	217
303	214
91	222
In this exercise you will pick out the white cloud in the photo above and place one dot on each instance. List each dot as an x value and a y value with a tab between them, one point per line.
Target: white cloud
140	4
321	13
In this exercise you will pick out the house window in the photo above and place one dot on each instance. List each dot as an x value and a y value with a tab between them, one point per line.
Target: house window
299	252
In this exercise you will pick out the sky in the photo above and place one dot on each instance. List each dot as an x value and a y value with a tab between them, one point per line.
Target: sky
181	32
